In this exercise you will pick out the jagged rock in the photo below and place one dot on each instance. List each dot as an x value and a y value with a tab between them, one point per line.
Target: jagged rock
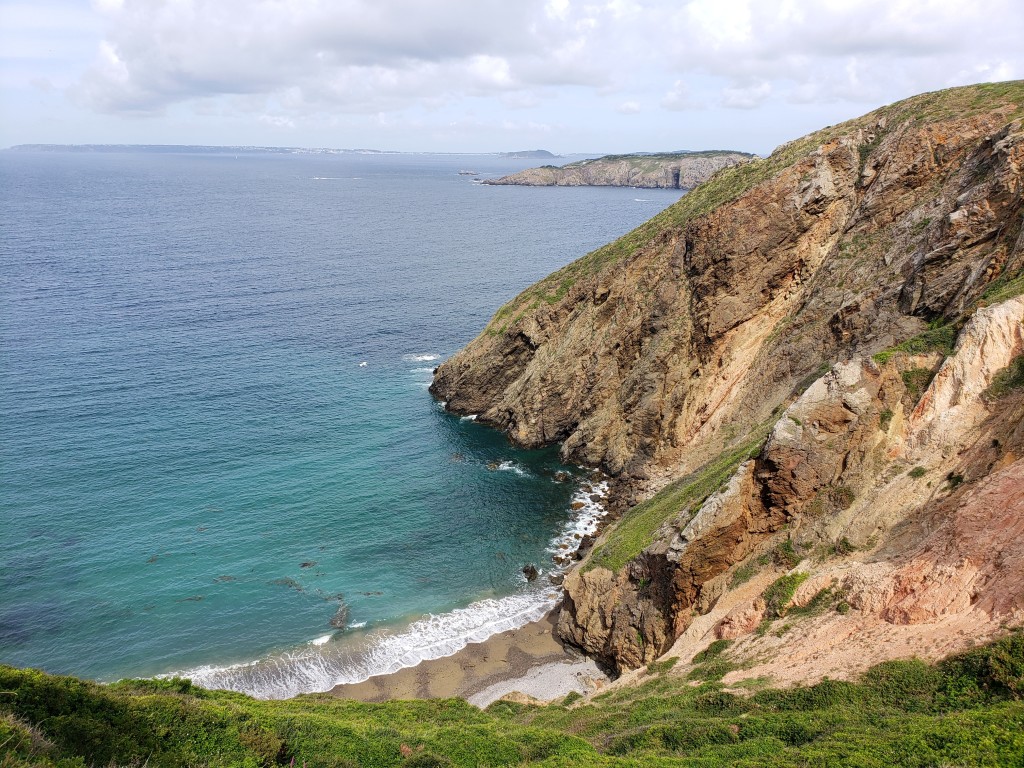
648	357
530	572
741	621
340	618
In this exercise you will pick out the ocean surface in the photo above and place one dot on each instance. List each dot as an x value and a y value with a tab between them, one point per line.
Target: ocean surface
218	455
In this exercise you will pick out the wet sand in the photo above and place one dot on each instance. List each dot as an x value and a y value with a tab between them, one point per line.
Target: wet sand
531	660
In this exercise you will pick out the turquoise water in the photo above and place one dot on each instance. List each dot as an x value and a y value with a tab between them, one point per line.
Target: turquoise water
217	437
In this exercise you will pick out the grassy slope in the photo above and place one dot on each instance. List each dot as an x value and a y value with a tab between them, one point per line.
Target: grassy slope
650	162
638	527
730	183
965	711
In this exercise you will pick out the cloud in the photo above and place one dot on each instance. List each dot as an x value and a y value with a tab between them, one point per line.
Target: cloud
277	121
555	62
746	97
166	51
838	50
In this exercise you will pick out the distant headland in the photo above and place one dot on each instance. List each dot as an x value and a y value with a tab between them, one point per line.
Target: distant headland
664	170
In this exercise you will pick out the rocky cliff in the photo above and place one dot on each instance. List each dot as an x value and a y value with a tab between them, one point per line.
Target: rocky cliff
793	376
674	170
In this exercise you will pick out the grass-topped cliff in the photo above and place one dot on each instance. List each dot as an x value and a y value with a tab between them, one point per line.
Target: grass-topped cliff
731	182
965	711
663	170
806	381
796	354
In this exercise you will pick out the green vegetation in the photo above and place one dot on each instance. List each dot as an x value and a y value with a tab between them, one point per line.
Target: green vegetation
939	338
885	419
710	664
743	574
636	531
785	556
1010	379
917	472
653	161
967	710
916	380
730	183
661	667
781	591
1004	287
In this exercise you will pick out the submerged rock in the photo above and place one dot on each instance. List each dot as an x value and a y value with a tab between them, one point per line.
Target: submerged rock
340	618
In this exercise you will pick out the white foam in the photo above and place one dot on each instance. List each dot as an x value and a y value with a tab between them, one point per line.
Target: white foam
471	417
421	370
583	521
510	466
318	667
421	358
355	656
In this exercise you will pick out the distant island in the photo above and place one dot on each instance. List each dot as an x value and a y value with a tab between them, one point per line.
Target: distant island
665	170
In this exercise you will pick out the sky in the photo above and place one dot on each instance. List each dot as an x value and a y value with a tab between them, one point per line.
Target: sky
569	76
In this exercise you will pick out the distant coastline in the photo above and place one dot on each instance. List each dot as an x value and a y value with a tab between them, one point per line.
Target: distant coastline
664	170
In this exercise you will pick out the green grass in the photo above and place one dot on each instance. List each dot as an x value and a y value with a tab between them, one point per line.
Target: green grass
967	710
780	592
730	183
743	574
648	162
1008	380
636	531
1004	287
938	338
916	380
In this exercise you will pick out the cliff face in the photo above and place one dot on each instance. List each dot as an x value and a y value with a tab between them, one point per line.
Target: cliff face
754	306
682	170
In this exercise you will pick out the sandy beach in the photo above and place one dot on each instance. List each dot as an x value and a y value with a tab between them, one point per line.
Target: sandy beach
530	660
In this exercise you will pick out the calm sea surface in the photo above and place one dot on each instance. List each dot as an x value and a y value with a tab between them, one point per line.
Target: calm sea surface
215	433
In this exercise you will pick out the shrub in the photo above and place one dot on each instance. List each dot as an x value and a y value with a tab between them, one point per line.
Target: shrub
916	380
781	591
884	419
1009	379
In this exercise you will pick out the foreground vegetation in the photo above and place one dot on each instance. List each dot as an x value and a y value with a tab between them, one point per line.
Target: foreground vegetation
967	710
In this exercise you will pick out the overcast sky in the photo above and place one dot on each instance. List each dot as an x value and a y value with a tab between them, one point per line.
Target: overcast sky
482	75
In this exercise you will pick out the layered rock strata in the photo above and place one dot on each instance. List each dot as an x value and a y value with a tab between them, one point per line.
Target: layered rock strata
760	299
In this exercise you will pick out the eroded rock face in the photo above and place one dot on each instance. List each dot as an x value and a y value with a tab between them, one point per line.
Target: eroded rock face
973	560
647	365
684	171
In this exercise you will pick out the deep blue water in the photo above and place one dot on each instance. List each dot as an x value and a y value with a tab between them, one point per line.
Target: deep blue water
197	470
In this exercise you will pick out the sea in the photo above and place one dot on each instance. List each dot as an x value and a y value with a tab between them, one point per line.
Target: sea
218	455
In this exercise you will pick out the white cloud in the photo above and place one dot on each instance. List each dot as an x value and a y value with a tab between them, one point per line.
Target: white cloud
812	50
277	121
499	65
746	97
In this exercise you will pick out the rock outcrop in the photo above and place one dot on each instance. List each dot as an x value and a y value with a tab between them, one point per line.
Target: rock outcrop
674	170
814	296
